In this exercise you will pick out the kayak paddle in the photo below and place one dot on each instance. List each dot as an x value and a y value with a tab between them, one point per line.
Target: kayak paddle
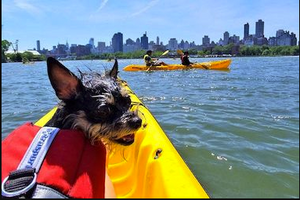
164	53
180	52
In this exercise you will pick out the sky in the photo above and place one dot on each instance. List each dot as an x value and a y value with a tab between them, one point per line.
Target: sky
76	21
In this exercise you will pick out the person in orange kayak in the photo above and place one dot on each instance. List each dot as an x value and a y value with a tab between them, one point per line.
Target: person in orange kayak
185	59
152	61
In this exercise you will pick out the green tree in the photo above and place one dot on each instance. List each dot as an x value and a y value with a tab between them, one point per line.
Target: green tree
27	56
15	57
228	48
266	52
4	47
193	51
294	51
218	50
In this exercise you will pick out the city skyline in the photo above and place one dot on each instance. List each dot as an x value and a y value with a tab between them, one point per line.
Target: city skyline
30	20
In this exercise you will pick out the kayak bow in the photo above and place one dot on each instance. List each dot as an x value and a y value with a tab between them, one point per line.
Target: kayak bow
151	167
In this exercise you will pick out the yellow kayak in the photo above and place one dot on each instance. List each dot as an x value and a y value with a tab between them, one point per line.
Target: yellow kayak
212	65
151	167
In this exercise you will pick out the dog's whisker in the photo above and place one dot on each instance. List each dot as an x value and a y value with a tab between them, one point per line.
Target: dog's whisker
98	96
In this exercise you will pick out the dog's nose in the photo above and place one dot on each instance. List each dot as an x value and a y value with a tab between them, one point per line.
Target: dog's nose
135	123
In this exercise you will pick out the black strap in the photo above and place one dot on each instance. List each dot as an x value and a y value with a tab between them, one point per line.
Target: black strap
19	179
22	178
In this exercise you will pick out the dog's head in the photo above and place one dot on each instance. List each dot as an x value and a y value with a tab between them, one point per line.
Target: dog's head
95	104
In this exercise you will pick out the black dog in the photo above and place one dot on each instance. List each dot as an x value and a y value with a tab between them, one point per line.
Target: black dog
95	104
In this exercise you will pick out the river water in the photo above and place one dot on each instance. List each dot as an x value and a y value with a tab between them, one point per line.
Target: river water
238	131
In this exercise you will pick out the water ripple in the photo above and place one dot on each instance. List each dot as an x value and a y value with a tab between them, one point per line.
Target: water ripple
238	131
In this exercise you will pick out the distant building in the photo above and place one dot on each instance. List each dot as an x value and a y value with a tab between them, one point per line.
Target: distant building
225	38
220	43
38	46
279	32
73	48
129	46
92	43
117	42
173	44
262	41
193	45
159	48
205	41
138	43
246	30
144	41
272	41
53	49
234	39
151	45
101	47
259	28
61	50
157	40
181	44
82	50
284	38
250	41
67	45
130	42
184	45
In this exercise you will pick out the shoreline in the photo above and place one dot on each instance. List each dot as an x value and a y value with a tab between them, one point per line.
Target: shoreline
225	57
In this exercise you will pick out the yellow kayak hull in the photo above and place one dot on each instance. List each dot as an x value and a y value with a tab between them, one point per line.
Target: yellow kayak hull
151	167
212	65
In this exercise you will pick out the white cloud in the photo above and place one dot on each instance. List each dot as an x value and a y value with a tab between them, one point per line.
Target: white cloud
28	7
104	2
147	7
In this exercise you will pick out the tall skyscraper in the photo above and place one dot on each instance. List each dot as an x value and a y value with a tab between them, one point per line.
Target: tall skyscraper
157	40
246	31
144	41
226	38
91	42
259	28
38	45
117	42
67	45
205	41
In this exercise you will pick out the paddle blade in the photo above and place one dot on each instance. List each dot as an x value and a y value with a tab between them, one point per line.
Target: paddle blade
164	53
180	52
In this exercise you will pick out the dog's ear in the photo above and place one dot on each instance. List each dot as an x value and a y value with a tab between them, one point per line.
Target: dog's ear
114	71
63	81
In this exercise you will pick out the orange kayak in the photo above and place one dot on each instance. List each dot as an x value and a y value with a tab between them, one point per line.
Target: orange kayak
212	65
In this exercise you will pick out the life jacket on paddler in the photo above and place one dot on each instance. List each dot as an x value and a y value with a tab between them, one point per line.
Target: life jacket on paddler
51	163
147	58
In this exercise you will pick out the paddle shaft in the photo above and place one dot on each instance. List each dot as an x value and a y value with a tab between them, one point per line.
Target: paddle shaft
164	53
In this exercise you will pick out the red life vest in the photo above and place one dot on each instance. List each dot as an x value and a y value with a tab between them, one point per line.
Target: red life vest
72	165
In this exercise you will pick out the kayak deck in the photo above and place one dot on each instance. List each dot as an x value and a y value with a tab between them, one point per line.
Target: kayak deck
151	167
212	65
